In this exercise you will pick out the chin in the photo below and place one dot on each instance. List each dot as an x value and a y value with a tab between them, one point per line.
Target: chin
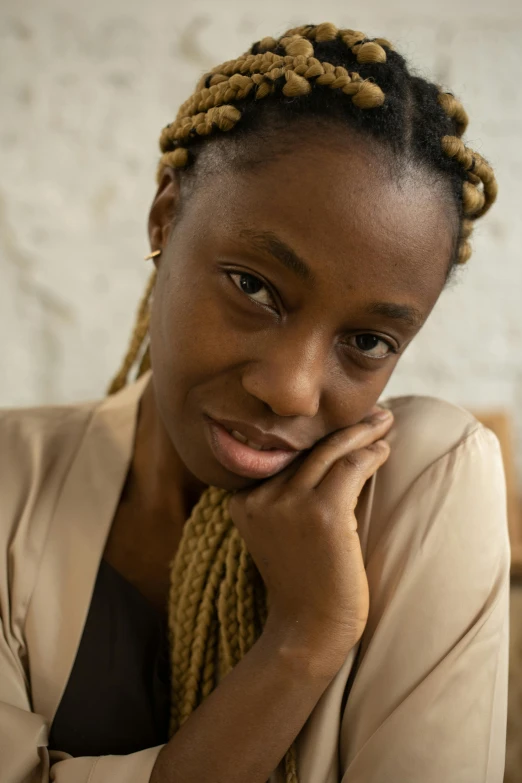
224	479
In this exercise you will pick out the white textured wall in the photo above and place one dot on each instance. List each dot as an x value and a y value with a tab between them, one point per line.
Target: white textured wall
85	89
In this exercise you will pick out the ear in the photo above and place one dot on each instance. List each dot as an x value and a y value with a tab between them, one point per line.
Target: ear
163	209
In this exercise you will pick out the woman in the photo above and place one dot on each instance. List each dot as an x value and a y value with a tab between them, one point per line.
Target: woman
313	199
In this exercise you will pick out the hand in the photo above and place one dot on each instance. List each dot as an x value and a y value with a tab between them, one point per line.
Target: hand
300	528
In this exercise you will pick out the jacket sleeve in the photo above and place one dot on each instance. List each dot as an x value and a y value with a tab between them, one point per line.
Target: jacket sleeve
134	768
428	701
24	757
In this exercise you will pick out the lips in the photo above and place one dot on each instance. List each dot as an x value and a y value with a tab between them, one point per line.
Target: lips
266	440
242	459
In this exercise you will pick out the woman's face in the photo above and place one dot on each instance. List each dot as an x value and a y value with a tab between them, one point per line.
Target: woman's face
286	295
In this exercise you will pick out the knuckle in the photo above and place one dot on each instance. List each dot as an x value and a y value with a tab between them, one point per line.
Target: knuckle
338	437
376	454
380	447
322	512
284	503
353	459
249	504
287	504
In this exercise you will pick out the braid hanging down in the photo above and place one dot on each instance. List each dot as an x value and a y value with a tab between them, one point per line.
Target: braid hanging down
217	602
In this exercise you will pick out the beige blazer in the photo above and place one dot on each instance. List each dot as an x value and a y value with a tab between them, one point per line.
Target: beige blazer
428	693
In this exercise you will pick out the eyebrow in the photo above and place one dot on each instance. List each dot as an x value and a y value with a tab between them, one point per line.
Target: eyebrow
406	313
270	243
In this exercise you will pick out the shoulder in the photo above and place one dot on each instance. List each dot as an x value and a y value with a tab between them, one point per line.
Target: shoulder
429	427
32	436
437	514
53	458
440	455
37	448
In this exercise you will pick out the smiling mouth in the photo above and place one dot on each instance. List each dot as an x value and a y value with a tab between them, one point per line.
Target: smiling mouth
242	459
255	437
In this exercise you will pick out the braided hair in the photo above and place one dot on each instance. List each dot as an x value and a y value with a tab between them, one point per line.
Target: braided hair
217	601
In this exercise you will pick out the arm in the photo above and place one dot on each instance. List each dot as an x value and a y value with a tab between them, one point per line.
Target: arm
259	707
24	757
429	700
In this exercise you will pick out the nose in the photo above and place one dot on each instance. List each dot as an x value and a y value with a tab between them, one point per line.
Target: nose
288	377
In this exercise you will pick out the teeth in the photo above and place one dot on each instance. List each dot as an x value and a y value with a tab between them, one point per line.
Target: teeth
237	435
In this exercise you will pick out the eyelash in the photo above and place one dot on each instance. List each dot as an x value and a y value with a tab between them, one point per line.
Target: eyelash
366	355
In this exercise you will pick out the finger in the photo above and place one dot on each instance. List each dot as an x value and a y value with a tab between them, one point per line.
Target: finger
328	450
318	462
346	478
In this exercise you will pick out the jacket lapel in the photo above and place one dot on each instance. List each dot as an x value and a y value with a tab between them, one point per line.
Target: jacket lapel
75	543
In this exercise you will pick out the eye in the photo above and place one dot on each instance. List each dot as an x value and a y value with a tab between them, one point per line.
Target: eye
372	346
251	286
367	344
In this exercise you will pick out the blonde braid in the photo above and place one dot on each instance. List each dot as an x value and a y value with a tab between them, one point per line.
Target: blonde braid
210	106
218	604
201	562
479	189
227	607
245	602
139	334
213	633
209	667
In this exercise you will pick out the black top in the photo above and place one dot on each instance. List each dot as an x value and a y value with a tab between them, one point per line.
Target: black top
117	698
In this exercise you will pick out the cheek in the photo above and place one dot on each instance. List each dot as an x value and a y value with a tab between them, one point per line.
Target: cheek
188	332
360	397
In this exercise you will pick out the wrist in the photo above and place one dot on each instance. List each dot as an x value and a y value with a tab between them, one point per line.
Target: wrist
314	656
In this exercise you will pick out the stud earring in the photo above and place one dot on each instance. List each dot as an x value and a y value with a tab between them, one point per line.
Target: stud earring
152	255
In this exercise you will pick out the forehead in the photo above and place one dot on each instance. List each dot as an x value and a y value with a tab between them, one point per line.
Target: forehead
338	203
